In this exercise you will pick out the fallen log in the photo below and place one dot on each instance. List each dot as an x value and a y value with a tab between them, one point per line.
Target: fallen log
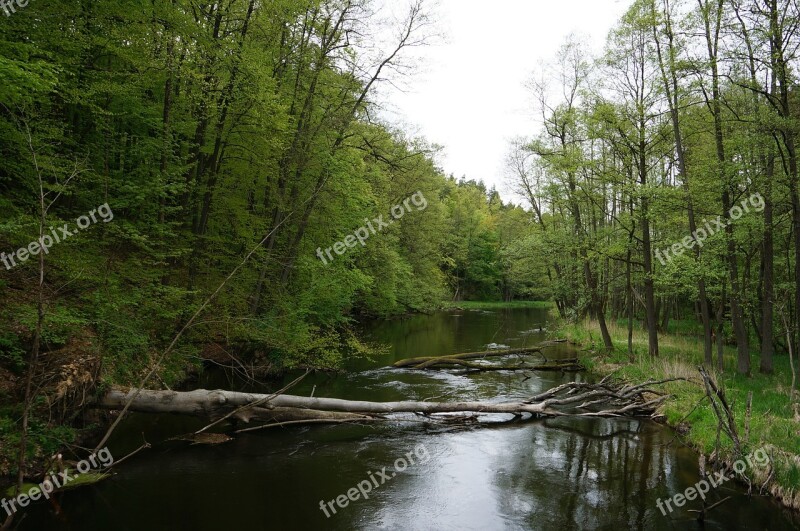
570	399
427	362
567	365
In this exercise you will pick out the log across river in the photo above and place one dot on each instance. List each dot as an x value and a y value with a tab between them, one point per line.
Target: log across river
569	399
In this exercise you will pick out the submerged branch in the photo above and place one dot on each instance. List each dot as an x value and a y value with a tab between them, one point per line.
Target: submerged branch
427	362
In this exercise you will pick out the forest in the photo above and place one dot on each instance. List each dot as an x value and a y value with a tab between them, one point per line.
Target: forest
668	169
173	173
227	143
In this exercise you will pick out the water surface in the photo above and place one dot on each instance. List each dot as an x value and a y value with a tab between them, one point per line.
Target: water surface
544	474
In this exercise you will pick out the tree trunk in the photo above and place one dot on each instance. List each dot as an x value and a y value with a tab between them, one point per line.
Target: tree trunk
671	88
649	288
778	45
737	317
563	400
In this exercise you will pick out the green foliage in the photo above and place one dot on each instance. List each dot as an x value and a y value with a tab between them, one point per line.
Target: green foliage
325	350
59	324
12	353
771	420
45	438
246	150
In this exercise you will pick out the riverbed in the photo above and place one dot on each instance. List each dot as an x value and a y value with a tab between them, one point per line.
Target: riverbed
486	475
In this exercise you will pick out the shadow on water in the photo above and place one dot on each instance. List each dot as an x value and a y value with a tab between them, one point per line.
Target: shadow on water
543	474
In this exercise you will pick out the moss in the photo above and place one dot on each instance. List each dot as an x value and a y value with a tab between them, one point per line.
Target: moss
77	480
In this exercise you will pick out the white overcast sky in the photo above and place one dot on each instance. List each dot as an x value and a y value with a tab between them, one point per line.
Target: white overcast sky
469	95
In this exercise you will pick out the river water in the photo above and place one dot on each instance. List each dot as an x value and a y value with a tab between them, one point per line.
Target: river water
487	475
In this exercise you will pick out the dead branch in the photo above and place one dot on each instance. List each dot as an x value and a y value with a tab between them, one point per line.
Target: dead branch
240	410
427	362
722	410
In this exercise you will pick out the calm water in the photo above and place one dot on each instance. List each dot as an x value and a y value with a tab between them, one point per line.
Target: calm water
547	474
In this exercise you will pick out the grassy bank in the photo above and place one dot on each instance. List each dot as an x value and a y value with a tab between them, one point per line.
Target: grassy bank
774	422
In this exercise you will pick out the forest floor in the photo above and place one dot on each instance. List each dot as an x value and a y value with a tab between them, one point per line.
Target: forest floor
774	423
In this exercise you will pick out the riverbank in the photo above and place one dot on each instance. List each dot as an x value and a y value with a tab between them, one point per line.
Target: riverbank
774	422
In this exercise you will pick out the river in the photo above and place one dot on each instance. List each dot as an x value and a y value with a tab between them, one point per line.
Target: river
489	475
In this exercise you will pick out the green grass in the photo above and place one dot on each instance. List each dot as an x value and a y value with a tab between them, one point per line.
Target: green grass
497	305
774	421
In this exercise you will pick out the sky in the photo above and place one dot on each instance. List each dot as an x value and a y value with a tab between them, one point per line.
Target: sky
468	93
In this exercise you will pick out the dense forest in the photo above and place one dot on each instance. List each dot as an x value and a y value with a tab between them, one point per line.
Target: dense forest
234	136
222	144
665	178
174	176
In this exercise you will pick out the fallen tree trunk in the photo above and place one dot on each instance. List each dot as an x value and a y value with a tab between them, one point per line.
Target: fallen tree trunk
571	399
216	404
428	362
567	365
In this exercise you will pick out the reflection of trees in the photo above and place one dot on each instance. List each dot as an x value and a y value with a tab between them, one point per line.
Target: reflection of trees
579	474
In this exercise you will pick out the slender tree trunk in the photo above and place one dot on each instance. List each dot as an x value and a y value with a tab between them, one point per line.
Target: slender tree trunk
33	359
666	315
737	317
768	276
647	250
630	305
591	282
767	281
721	329
781	69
